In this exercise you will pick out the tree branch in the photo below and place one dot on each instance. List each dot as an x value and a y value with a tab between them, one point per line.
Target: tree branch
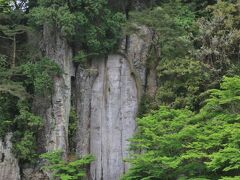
6	38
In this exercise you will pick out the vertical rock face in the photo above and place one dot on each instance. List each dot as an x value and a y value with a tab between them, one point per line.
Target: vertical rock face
83	92
33	173
107	104
56	110
9	169
113	111
137	52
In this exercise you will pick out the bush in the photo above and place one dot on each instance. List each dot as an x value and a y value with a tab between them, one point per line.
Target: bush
75	169
179	144
89	22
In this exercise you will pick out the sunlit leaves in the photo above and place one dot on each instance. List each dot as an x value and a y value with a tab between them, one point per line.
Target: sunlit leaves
88	22
170	143
66	170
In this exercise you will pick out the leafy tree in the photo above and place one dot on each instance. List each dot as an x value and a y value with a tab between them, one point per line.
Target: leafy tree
179	144
181	81
171	52
219	37
40	76
21	80
199	6
17	87
171	23
24	125
11	33
12	25
73	169
90	23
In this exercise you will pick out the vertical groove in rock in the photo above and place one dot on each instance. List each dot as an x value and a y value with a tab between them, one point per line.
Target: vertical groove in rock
9	169
120	112
151	85
113	97
84	82
97	114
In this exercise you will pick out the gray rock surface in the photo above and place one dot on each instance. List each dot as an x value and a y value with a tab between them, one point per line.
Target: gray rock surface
107	104
56	115
33	174
107	97
9	169
113	111
137	52
83	94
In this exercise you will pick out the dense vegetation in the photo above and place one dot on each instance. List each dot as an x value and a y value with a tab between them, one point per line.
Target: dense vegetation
188	130
74	169
193	131
181	144
89	23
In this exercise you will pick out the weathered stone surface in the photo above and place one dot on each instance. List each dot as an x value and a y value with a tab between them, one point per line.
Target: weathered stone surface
107	106
33	174
137	52
56	116
151	86
113	111
9	169
82	93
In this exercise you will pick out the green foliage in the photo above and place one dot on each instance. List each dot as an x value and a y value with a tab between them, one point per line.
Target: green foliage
219	37
171	22
15	99
63	170
72	129
7	85
147	103
7	112
181	80
56	15
23	124
80	57
181	77
41	75
170	143
199	6
29	77
90	23
180	144
24	147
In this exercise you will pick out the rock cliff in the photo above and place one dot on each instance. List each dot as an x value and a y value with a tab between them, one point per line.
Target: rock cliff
55	110
9	169
108	94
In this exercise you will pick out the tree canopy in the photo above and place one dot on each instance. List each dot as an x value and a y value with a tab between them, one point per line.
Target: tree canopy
180	144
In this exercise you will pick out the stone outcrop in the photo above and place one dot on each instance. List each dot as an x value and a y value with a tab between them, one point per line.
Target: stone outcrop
9	169
33	173
56	111
83	95
55	108
108	94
